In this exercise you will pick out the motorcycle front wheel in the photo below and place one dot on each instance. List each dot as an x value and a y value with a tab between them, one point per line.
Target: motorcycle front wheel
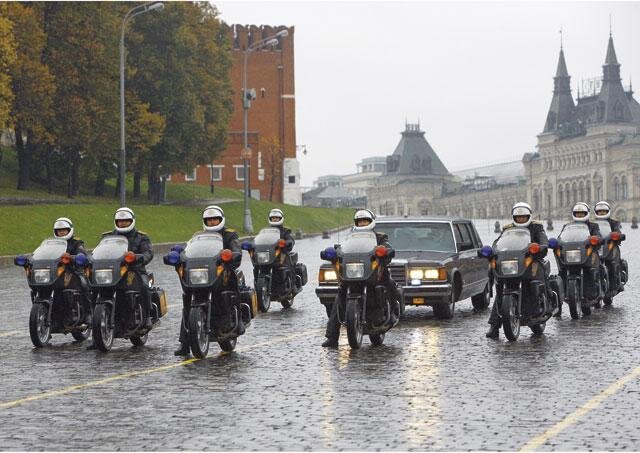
354	324
39	329
103	330
573	299
510	317
198	336
264	298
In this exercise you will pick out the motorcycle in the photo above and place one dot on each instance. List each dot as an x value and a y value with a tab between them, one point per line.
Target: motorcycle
613	266
117	284
58	302
360	263
521	300
204	267
577	251
278	275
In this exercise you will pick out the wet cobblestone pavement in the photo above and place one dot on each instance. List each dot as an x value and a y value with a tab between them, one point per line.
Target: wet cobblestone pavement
433	384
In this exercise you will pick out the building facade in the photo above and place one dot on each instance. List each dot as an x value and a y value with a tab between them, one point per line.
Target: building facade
274	170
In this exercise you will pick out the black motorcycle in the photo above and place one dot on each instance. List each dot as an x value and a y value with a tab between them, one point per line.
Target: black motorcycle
520	299
577	251
117	285
277	274
360	264
613	266
58	303
219	298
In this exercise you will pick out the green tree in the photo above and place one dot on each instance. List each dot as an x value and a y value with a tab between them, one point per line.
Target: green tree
7	59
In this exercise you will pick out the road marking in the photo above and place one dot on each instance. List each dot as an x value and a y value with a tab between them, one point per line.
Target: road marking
10	333
572	419
118	377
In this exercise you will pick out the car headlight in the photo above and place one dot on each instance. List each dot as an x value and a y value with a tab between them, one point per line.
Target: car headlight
354	270
199	276
429	273
328	275
42	276
416	274
432	274
262	257
103	276
509	267
573	256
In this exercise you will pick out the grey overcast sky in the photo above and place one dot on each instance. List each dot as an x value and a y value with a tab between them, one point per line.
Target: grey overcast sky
477	75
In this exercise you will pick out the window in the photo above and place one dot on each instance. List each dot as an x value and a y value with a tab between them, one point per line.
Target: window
462	233
215	172
292	179
239	172
624	191
190	176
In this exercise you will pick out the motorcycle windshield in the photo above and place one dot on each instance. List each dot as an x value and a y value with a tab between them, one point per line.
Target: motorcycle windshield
513	239
605	228
360	242
267	236
50	249
204	245
574	232
111	248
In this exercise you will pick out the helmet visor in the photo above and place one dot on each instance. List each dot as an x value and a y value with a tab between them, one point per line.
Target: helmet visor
212	221
61	232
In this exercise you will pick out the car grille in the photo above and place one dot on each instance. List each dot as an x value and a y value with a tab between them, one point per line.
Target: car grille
398	274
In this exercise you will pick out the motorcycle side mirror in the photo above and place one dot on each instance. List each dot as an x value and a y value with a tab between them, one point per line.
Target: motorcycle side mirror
172	258
485	252
20	260
246	245
328	254
81	259
553	243
177	248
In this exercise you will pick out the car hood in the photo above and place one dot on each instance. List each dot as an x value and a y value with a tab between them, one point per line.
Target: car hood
423	256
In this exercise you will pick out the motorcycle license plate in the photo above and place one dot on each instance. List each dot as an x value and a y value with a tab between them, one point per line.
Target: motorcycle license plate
418	301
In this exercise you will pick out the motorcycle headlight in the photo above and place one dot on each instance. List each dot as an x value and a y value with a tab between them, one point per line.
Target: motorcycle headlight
42	276
328	275
103	276
573	256
509	267
263	257
199	276
354	270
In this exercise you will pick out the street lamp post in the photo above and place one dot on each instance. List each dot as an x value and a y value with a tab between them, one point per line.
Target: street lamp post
247	97
133	12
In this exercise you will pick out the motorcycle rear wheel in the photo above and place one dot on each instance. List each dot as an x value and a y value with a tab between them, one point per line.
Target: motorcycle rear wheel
287	302
198	336
510	318
228	345
103	330
354	324
586	309
81	335
139	340
377	339
39	332
538	329
608	300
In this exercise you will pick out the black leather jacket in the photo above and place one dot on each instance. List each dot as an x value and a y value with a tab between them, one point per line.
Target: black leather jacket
75	246
139	243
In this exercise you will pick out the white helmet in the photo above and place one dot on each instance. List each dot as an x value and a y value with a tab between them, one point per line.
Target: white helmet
521	209
212	212
364	214
124	214
63	223
602	206
580	207
276	213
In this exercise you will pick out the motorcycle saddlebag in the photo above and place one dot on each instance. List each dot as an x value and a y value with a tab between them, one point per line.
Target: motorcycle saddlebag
301	270
160	299
248	296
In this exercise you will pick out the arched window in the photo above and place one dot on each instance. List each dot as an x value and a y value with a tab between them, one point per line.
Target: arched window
567	195
616	188
624	190
560	196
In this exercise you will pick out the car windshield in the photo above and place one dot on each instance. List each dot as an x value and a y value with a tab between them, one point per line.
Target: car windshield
50	249
267	236
424	236
359	242
204	245
574	232
110	248
513	239
605	228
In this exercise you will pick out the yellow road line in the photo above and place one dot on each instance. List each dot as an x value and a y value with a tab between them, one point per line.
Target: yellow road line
587	407
118	377
10	333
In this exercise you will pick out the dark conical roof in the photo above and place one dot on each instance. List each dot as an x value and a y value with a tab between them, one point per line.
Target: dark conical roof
414	156
562	105
611	58
562	66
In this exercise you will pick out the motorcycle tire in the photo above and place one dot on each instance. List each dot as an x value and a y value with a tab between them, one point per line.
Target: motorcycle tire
586	309
377	339
608	300
538	329
81	335
287	302
354	323
573	300
228	345
39	331
103	331
264	299
139	340
198	336
510	319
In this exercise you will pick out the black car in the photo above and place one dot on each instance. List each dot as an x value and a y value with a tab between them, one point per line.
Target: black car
436	264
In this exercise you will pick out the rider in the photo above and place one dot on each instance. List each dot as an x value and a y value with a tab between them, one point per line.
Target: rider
602	210
522	217
63	229
364	220
213	221
276	220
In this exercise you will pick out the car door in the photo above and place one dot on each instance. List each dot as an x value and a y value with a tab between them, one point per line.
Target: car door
466	254
481	265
